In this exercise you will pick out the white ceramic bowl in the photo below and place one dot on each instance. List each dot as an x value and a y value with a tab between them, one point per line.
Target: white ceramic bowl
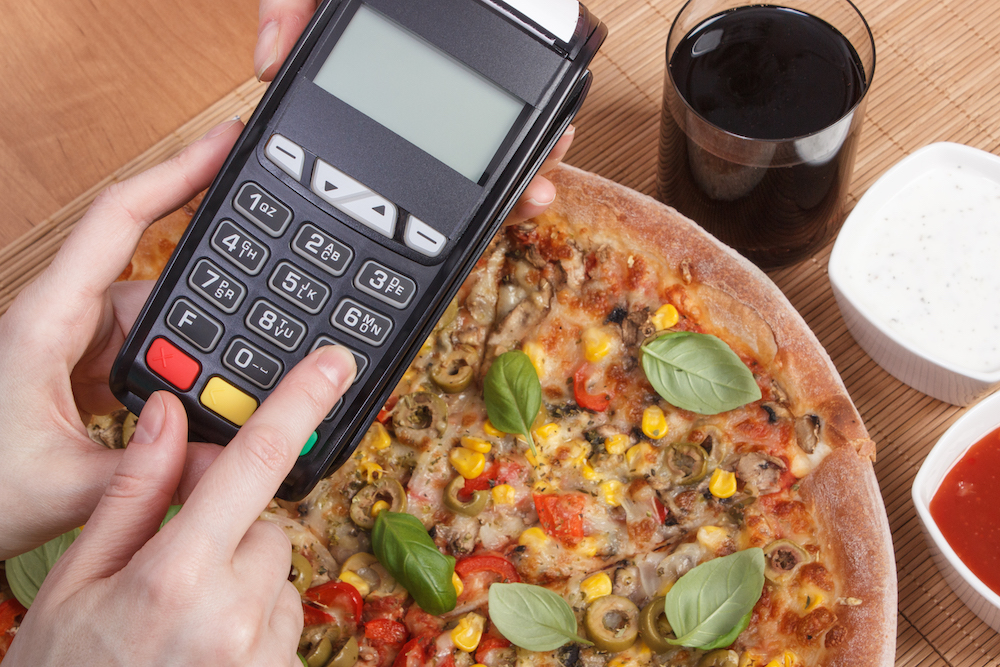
921	367
956	441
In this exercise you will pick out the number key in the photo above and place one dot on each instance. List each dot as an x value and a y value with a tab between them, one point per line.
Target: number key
217	286
321	249
385	284
275	325
261	208
239	247
361	322
252	363
297	286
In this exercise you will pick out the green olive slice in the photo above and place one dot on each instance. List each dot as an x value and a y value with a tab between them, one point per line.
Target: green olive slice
781	558
366	566
612	623
687	461
654	626
722	657
320	654
455	370
386	489
347	656
471	508
301	575
418	415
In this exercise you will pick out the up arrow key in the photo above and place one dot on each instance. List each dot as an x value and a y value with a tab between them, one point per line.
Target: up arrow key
373	211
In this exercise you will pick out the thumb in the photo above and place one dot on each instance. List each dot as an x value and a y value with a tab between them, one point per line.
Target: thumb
138	494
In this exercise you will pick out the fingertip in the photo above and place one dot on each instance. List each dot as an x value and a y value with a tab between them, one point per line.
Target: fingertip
337	363
265	54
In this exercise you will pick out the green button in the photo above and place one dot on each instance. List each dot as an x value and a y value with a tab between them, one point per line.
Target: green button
309	443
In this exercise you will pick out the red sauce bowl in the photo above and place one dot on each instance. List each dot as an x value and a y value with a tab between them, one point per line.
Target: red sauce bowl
953	505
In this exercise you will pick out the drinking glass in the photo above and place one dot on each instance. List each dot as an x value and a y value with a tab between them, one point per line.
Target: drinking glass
768	184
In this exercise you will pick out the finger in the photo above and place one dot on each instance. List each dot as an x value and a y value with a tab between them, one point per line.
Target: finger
286	624
558	151
138	494
537	197
102	244
281	22
243	479
200	457
263	560
90	376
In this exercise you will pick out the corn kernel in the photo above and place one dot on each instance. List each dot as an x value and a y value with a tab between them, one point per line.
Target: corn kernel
712	537
613	492
532	459
468	463
492	430
617	444
379	437
469	631
750	659
536	355
456	581
722	484
589	473
812	600
371	470
476	444
356	580
589	546
596	586
534	536
596	344
665	317
503	494
636	455
546	431
379	506
665	588
654	423
789	658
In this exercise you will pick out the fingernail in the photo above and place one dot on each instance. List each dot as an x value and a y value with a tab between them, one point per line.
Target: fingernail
222	127
570	131
535	202
266	52
150	423
338	365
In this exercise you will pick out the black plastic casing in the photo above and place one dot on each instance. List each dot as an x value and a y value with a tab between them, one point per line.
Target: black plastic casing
550	75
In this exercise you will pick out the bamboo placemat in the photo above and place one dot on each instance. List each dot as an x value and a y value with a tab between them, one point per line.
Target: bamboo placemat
936	80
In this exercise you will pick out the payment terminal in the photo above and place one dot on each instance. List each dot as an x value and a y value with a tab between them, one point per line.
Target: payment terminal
371	177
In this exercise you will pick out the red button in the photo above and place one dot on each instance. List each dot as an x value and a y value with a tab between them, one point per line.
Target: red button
171	364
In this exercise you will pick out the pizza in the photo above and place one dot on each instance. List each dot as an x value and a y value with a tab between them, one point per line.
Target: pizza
612	500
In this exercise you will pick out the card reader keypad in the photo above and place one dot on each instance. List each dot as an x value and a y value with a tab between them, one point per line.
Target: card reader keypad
305	270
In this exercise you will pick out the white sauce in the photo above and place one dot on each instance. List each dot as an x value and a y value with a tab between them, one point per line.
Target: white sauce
929	267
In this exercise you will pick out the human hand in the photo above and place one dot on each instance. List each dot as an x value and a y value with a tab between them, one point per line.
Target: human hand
280	24
58	341
212	586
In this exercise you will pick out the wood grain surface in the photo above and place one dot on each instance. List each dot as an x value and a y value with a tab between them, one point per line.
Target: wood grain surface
86	86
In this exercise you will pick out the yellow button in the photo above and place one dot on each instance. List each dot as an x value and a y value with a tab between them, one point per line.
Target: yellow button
226	400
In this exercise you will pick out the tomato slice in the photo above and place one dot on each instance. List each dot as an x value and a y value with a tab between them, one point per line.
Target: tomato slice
413	653
502	472
314	616
487	644
9	611
338	595
586	400
488	562
386	631
561	515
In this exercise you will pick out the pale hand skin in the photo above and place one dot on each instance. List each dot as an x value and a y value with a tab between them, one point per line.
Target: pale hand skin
211	587
280	24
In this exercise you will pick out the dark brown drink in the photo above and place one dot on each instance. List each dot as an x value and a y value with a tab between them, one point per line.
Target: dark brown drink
760	126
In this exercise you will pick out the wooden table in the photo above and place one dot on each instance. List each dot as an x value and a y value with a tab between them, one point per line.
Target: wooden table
70	125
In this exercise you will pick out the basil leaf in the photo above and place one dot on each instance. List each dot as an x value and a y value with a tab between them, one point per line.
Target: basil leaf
513	394
698	372
708	603
404	548
533	617
171	513
25	573
722	642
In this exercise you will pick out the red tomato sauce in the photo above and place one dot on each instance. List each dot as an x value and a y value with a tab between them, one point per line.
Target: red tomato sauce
966	508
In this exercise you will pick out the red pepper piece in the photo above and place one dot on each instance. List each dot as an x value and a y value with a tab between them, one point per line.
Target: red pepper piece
488	562
386	631
586	400
338	595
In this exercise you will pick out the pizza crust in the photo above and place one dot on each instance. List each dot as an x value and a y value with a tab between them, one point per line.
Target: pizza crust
800	361
844	493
